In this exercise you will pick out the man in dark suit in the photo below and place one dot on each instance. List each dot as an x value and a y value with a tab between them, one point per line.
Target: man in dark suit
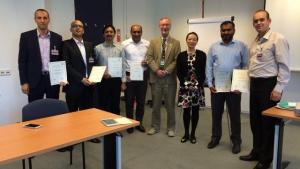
37	48
80	58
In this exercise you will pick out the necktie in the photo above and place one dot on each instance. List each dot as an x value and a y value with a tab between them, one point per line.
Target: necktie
163	54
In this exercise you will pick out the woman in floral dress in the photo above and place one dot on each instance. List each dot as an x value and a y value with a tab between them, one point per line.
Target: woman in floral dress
191	75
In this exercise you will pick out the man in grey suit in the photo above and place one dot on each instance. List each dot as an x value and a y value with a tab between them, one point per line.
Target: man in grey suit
161	58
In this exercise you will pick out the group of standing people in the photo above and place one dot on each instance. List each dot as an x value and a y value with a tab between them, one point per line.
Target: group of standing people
162	60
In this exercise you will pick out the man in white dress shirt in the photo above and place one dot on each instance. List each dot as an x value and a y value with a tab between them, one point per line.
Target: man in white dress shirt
135	50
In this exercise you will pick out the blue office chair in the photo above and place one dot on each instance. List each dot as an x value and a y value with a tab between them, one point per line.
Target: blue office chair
45	108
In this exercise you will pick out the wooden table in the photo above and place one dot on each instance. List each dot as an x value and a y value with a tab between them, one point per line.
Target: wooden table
278	139
17	142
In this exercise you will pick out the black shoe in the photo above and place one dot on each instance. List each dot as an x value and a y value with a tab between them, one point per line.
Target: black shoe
141	128
193	140
69	148
95	140
184	139
260	165
212	144
250	157
236	148
130	130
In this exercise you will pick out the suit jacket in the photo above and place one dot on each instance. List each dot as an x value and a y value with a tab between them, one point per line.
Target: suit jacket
154	57
30	62
199	65
76	68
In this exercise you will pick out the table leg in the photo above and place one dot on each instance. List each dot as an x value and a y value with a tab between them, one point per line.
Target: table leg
112	151
278	141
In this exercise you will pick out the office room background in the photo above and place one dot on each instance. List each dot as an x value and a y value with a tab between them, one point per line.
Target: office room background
16	16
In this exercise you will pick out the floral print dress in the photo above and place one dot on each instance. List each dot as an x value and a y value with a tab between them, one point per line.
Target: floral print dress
191	93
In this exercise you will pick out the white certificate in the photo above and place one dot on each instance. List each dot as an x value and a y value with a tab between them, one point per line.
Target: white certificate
114	66
136	71
222	81
58	72
240	80
97	74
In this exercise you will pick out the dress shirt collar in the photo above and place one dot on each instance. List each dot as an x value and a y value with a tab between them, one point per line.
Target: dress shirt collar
43	36
231	42
78	41
265	37
105	44
167	38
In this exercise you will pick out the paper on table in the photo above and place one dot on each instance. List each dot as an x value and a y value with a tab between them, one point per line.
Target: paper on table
222	81
136	71
97	74
114	66
240	80
123	120
58	72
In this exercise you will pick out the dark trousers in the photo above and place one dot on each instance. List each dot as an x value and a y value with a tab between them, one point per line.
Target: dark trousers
135	91
43	88
79	97
262	127
233	103
109	91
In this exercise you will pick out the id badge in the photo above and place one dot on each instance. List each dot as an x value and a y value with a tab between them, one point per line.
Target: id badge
54	51
91	60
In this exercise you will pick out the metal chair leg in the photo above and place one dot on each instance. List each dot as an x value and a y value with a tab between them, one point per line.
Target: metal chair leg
29	162
71	156
23	164
83	156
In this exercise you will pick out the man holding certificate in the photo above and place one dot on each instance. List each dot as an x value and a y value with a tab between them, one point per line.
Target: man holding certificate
110	54
269	74
223	57
135	50
37	49
79	56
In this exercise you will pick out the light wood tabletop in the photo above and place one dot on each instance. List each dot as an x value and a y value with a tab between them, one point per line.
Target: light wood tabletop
280	113
17	142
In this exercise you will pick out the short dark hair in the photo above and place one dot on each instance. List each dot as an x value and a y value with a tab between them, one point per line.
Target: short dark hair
227	22
262	10
41	10
108	26
191	33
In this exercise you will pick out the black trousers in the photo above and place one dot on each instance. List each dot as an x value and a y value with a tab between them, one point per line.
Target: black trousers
135	91
262	127
43	88
79	97
109	91
233	102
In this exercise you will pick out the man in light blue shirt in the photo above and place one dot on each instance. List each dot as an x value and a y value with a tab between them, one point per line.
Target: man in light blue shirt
223	57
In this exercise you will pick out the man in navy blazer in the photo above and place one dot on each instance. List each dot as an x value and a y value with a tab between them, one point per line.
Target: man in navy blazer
37	49
80	59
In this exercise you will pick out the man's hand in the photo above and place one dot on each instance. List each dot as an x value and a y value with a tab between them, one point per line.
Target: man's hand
144	63
86	82
25	88
123	86
213	89
160	73
275	96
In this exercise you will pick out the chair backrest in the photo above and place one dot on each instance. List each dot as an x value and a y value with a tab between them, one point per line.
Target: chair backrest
43	108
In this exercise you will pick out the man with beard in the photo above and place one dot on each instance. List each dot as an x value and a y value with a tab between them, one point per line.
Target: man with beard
222	58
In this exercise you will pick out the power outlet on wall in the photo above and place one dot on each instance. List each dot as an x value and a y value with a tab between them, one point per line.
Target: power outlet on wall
5	72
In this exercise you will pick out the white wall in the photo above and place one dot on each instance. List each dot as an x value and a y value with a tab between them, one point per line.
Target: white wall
16	17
